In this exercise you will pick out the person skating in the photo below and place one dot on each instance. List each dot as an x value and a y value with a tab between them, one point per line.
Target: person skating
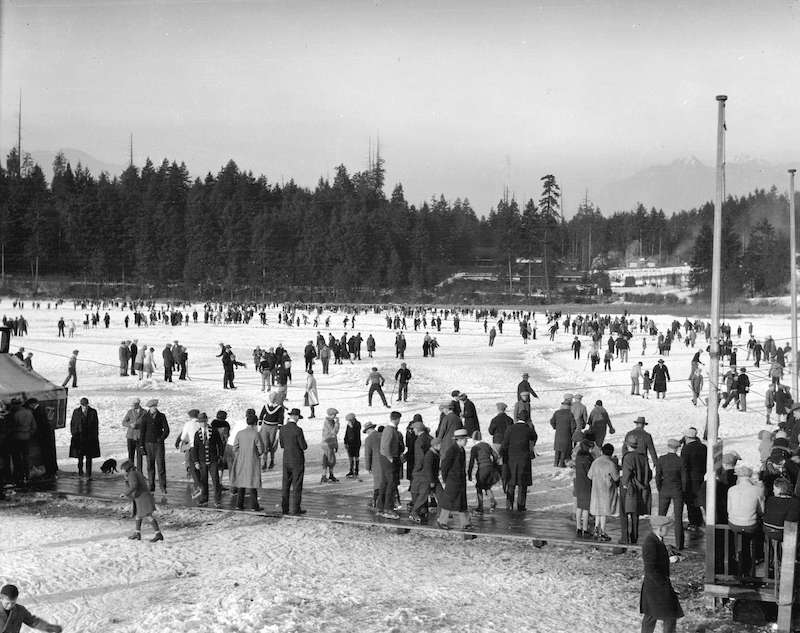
402	376
311	395
137	491
14	615
72	370
154	430
206	451
376	382
563	422
352	444
469	415
271	420
524	386
330	445
391	448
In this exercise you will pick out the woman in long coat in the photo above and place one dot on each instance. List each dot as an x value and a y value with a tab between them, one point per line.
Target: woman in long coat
149	362
660	378
454	474
604	474
138	491
311	396
635	485
248	448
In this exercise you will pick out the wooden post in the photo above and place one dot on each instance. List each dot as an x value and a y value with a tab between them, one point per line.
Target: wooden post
793	278
712	419
786	587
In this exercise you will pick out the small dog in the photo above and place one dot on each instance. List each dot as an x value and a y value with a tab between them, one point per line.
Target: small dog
109	466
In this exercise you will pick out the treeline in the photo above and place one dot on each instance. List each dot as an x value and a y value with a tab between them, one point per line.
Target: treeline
156	225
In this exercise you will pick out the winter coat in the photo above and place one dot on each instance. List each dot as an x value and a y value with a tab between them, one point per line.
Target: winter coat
498	427
487	473
582	484
24	425
372	457
311	395
564	424
352	436
449	425
660	375
248	449
635	484
599	424
658	599
604	474
16	617
213	450
137	489
454	476
471	423
517	452
580	413
149	362
330	433
522	411
85	441
293	443
138	363
132	421
153	428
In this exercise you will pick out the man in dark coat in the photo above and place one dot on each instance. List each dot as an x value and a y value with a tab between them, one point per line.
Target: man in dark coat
499	425
644	443
13	615
600	423
402	376
372	459
454	476
658	600
449	424
45	436
207	451
416	428
153	431
391	448
293	443
470	415
693	456
660	378
85	442
485	460
670	483
516	452
352	443
564	424
134	349
426	476
525	386
169	362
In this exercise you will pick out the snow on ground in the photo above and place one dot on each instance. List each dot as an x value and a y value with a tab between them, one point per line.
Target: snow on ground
234	573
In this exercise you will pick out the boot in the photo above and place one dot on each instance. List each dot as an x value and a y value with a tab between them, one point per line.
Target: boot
136	536
355	470
349	474
332	479
158	537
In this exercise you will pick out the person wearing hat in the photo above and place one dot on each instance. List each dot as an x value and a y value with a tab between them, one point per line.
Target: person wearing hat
72	371
635	498
498	426
23	428
563	422
469	415
84	443
246	469
311	395
745	508
293	442
448	425
425	482
372	460
522	409
516	453
410	442
45	436
644	444
391	449
352	444
658	600
206	452
14	615
579	411
661	377
184	443
132	422
525	387
693	456
454	476
330	445
576	348
671	479
486	462
604	475
271	418
154	431
599	423
137	491
376	382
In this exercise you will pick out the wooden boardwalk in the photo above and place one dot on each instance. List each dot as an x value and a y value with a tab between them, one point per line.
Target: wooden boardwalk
328	504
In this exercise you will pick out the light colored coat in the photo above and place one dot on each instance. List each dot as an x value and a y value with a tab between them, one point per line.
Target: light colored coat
248	447
605	478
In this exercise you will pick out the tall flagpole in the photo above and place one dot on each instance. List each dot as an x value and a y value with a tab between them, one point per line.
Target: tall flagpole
793	280
712	419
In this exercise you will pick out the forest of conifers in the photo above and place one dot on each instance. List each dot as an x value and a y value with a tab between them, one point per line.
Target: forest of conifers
155	224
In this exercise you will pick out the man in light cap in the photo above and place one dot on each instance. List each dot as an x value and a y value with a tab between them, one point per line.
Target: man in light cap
670	482
658	600
745	508
132	421
579	411
184	443
330	445
693	456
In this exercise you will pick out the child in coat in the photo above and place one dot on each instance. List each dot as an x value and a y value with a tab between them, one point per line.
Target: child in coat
646	382
139	492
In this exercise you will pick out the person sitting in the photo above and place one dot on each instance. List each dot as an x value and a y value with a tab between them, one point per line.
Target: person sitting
778	509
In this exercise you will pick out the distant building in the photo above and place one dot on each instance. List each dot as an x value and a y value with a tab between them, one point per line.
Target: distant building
648	274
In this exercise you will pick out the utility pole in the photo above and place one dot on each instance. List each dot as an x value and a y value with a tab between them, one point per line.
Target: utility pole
793	278
130	163
19	138
712	419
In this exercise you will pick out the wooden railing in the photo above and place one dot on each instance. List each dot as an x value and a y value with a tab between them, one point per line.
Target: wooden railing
772	579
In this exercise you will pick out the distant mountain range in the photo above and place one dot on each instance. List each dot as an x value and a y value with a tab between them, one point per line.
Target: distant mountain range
687	183
682	184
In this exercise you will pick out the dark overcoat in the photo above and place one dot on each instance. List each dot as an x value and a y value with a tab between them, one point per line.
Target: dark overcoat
517	453
454	474
85	441
658	599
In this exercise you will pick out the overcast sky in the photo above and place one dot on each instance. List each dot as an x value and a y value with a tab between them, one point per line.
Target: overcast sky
467	97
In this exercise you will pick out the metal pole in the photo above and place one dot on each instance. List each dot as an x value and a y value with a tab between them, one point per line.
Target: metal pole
712	420
793	279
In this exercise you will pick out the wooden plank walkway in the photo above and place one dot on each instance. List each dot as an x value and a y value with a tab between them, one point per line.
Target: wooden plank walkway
326	504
